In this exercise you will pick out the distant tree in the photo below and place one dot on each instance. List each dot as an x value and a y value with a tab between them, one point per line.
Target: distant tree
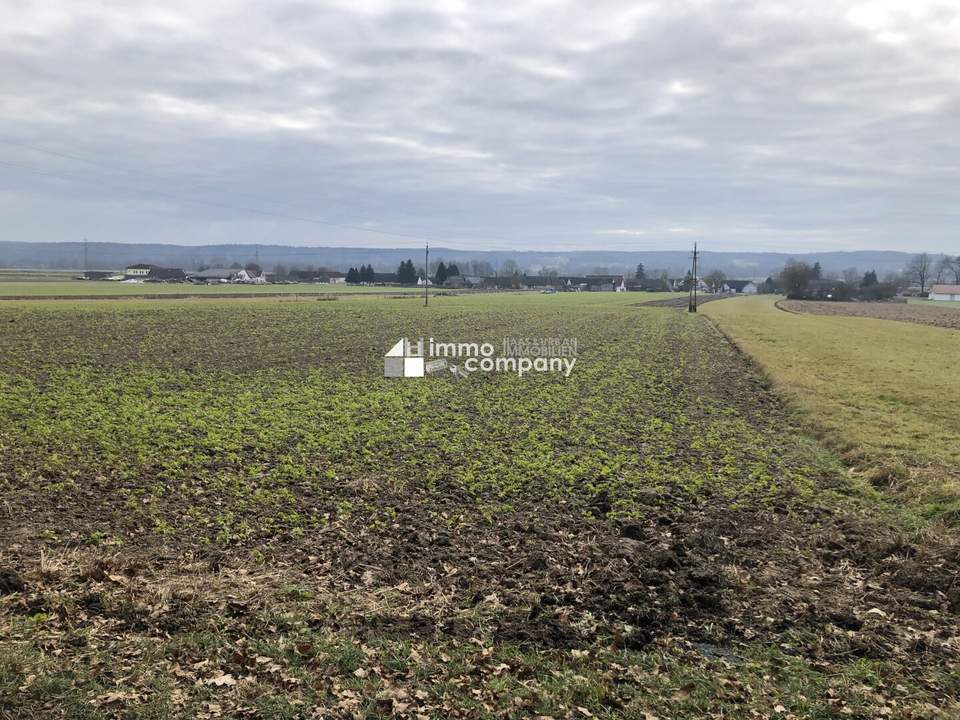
547	272
640	274
353	276
796	277
900	280
280	272
955	268
945	268
877	291
236	266
768	286
715	280
851	276
920	269
253	268
452	270
816	272
687	283
367	274
509	268
440	277
201	267
869	279
481	268
406	275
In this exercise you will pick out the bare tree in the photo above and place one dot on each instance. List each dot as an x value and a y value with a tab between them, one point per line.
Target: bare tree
949	266
944	266
920	269
715	280
795	278
851	276
508	268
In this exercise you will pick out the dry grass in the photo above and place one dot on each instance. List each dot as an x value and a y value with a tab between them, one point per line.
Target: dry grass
883	393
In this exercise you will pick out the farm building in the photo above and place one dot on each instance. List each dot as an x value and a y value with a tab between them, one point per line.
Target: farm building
219	275
648	285
945	292
140	270
386	278
606	283
740	287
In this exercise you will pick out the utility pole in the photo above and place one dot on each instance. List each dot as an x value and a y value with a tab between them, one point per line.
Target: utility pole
86	263
426	276
693	286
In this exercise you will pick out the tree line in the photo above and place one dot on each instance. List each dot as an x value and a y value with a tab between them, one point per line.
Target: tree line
407	274
799	280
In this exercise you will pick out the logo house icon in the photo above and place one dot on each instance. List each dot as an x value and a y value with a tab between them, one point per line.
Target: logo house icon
400	361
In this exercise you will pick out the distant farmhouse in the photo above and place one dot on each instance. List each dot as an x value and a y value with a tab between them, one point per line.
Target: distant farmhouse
332	276
153	273
945	292
565	283
213	276
137	271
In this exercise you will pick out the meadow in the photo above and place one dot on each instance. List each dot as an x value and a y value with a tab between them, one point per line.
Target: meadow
221	508
66	288
882	393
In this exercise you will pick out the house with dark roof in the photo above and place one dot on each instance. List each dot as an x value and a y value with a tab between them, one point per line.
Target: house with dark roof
332	276
155	273
387	278
212	275
140	270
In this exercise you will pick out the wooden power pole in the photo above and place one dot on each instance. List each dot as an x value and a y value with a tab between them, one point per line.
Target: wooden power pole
426	276
693	286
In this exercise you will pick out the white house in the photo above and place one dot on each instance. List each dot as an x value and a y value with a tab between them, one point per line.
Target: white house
945	292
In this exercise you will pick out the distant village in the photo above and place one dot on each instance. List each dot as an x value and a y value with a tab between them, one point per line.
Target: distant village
923	278
441	276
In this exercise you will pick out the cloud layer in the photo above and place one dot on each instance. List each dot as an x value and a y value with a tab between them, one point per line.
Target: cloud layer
540	125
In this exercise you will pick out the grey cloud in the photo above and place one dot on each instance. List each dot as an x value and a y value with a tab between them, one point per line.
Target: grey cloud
532	125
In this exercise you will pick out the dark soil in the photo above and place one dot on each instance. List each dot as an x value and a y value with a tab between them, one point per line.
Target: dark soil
937	316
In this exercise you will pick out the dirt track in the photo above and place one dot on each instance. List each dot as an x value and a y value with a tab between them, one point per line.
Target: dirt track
682	302
919	314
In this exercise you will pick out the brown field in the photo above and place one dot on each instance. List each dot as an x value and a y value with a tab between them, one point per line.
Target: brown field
223	509
935	315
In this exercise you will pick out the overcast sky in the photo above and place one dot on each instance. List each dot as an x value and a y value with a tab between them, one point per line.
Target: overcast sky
776	125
